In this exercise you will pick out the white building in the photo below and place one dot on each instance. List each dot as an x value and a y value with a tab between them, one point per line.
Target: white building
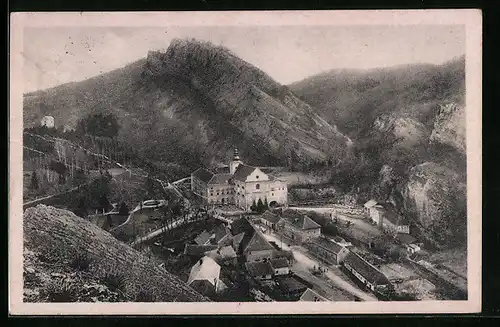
48	121
243	186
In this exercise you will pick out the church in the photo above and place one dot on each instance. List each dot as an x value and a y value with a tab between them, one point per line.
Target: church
241	186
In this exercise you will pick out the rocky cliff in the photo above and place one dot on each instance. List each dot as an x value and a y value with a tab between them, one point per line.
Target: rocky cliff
68	259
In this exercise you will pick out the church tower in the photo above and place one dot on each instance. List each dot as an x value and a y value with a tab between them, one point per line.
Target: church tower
233	164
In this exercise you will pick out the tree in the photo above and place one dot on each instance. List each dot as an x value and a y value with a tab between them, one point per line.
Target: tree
99	125
34	181
79	178
260	206
266	205
123	210
81	210
253	207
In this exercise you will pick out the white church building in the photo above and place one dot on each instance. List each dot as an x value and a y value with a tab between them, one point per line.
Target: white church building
242	185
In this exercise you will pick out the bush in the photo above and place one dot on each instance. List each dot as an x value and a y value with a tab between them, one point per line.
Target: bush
61	291
81	261
114	281
145	296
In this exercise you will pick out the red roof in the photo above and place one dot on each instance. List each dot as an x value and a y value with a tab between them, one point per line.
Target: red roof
243	171
302	222
259	268
203	174
220	179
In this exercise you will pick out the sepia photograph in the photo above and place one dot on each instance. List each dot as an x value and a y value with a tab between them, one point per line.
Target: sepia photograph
245	163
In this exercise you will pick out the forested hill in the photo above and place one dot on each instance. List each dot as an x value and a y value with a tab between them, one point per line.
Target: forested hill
193	104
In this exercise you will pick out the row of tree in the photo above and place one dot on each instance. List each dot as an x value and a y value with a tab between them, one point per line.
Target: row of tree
259	206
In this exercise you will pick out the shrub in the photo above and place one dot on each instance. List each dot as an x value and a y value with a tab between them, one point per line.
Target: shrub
145	296
61	291
114	281
81	261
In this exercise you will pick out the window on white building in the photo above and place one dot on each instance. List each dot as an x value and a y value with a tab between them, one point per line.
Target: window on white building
257	186
272	194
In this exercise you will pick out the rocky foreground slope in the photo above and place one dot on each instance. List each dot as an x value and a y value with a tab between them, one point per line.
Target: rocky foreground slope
68	259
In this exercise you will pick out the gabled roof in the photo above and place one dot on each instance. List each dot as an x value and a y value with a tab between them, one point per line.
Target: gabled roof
405	238
220	233
327	245
203	174
311	296
202	238
270	217
225	252
240	225
259	268
243	171
302	222
391	214
365	269
220	179
198	250
370	204
279	263
257	243
205	269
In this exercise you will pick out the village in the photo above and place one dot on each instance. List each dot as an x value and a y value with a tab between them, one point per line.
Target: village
230	233
241	241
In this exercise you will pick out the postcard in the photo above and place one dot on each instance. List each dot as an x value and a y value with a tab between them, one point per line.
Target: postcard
272	162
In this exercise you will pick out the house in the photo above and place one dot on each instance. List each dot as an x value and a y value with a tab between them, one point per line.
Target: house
249	242
203	238
368	206
223	255
412	248
291	286
242	185
366	273
387	217
204	277
298	228
270	219
311	296
48	121
280	266
260	270
409	243
340	241
327	250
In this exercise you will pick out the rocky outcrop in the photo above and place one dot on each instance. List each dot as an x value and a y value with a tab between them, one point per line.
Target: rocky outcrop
68	259
436	196
407	130
449	126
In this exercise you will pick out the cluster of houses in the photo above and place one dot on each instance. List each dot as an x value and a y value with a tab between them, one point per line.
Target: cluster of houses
242	243
304	230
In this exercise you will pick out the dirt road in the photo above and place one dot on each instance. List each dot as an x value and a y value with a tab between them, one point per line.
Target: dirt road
310	263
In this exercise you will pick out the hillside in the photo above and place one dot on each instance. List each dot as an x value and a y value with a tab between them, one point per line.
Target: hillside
68	259
408	127
194	103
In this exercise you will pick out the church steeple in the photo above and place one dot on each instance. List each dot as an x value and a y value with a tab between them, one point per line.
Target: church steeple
236	156
233	164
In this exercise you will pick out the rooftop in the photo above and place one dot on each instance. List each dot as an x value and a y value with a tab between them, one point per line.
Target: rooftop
279	263
327	244
198	250
291	285
270	217
302	222
405	238
259	268
205	269
370	204
219	179
243	171
202	238
203	174
369	272
311	296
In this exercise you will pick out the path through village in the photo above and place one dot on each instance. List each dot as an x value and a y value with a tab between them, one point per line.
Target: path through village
309	263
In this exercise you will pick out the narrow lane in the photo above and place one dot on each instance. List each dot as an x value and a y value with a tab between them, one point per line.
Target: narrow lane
311	263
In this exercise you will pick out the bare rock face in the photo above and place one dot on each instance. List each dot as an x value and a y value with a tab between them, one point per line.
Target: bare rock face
449	127
437	196
68	259
407	130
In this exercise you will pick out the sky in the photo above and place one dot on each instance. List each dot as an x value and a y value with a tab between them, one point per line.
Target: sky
56	55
